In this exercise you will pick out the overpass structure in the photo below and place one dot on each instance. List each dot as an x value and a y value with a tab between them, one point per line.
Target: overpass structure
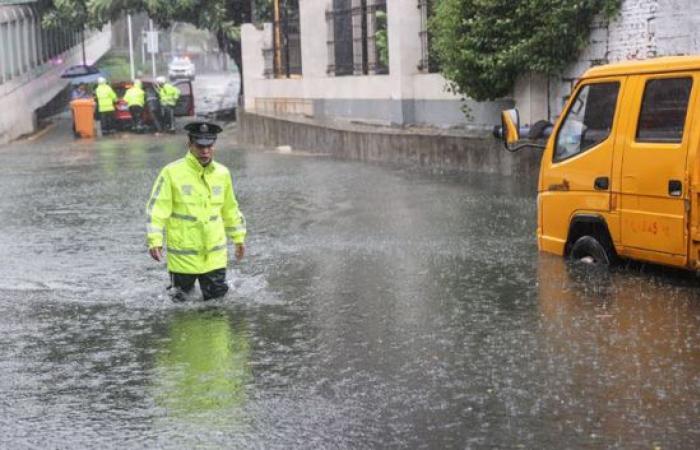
32	59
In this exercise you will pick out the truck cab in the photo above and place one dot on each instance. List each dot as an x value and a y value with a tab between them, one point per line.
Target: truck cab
619	174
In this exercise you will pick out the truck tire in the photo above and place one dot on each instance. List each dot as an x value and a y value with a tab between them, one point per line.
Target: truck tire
589	250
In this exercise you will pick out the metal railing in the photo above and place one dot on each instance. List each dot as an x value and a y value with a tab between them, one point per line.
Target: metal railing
428	62
25	44
357	38
287	40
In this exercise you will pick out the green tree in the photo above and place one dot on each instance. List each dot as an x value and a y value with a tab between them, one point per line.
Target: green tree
483	45
221	17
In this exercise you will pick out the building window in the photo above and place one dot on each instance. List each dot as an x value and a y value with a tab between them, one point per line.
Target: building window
357	38
268	58
428	62
286	39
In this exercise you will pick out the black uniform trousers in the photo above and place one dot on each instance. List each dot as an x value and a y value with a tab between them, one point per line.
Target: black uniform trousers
107	121
136	111
168	117
212	284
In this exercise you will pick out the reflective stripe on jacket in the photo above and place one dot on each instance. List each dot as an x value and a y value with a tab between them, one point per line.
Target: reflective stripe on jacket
197	208
134	96
105	98
168	94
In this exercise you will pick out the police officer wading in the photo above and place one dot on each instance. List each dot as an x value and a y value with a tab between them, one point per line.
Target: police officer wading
193	201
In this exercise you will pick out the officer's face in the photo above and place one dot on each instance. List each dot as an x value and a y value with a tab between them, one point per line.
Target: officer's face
204	154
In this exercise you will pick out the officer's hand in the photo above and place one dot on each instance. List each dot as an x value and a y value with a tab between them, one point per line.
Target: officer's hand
156	253
240	252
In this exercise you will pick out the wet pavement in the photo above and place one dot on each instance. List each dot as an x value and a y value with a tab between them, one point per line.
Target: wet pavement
216	92
378	307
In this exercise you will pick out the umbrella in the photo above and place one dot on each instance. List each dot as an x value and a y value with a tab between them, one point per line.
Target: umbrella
82	74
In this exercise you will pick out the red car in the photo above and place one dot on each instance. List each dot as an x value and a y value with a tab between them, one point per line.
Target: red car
122	116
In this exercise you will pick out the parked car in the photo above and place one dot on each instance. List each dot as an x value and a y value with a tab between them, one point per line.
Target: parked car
122	116
181	67
82	74
620	172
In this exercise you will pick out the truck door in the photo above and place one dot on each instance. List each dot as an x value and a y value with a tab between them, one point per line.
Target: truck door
185	104
654	181
576	168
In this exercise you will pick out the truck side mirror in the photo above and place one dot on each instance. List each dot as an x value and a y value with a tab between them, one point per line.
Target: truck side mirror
510	130
510	126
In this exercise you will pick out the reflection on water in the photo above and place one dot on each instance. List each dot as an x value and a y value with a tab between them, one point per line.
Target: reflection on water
622	347
203	368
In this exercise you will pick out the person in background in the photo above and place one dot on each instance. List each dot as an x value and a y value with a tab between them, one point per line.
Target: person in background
135	98
105	98
153	105
79	92
169	94
194	203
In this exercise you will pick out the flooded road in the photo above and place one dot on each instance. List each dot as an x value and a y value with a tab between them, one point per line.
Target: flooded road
376	308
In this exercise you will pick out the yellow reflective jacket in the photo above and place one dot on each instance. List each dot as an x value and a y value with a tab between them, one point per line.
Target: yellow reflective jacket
135	96
105	98
197	208
169	94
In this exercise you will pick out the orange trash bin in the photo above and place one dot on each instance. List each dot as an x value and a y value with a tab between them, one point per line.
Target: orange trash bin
83	117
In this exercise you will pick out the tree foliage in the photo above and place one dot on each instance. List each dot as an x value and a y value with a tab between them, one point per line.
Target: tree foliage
221	17
483	45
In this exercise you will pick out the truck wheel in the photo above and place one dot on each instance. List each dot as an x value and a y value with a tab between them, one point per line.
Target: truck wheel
588	249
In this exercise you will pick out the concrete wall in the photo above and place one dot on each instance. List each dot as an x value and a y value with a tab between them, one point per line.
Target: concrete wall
429	149
23	95
405	96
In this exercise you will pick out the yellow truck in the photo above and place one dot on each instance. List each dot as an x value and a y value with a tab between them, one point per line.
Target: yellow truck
620	173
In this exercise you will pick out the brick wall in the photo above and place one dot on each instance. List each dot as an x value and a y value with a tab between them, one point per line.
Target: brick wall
643	29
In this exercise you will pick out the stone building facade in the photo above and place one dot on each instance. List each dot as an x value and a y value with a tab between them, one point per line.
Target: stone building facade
337	73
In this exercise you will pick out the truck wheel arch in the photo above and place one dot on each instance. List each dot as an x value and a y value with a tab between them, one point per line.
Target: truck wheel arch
591	225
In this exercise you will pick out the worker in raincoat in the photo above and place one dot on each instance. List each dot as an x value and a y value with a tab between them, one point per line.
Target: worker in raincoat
106	97
169	94
135	98
194	203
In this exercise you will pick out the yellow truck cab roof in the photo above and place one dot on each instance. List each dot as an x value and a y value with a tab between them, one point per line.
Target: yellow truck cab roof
663	64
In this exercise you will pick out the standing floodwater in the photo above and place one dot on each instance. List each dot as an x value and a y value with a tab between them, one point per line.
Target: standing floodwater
377	308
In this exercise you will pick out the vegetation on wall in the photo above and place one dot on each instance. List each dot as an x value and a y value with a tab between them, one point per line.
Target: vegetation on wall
382	39
483	45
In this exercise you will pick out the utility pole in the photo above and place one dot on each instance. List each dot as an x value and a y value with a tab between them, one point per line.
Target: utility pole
154	47
144	37
131	48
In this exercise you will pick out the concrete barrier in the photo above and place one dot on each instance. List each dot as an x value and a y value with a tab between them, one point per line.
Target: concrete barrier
432	149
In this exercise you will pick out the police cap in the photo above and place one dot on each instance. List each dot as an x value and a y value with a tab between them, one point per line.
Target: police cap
202	133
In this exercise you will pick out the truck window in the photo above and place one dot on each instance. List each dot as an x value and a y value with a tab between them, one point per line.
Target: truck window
664	107
588	121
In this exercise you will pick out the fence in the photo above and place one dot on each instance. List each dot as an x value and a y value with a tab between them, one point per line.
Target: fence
287	40
25	44
357	39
